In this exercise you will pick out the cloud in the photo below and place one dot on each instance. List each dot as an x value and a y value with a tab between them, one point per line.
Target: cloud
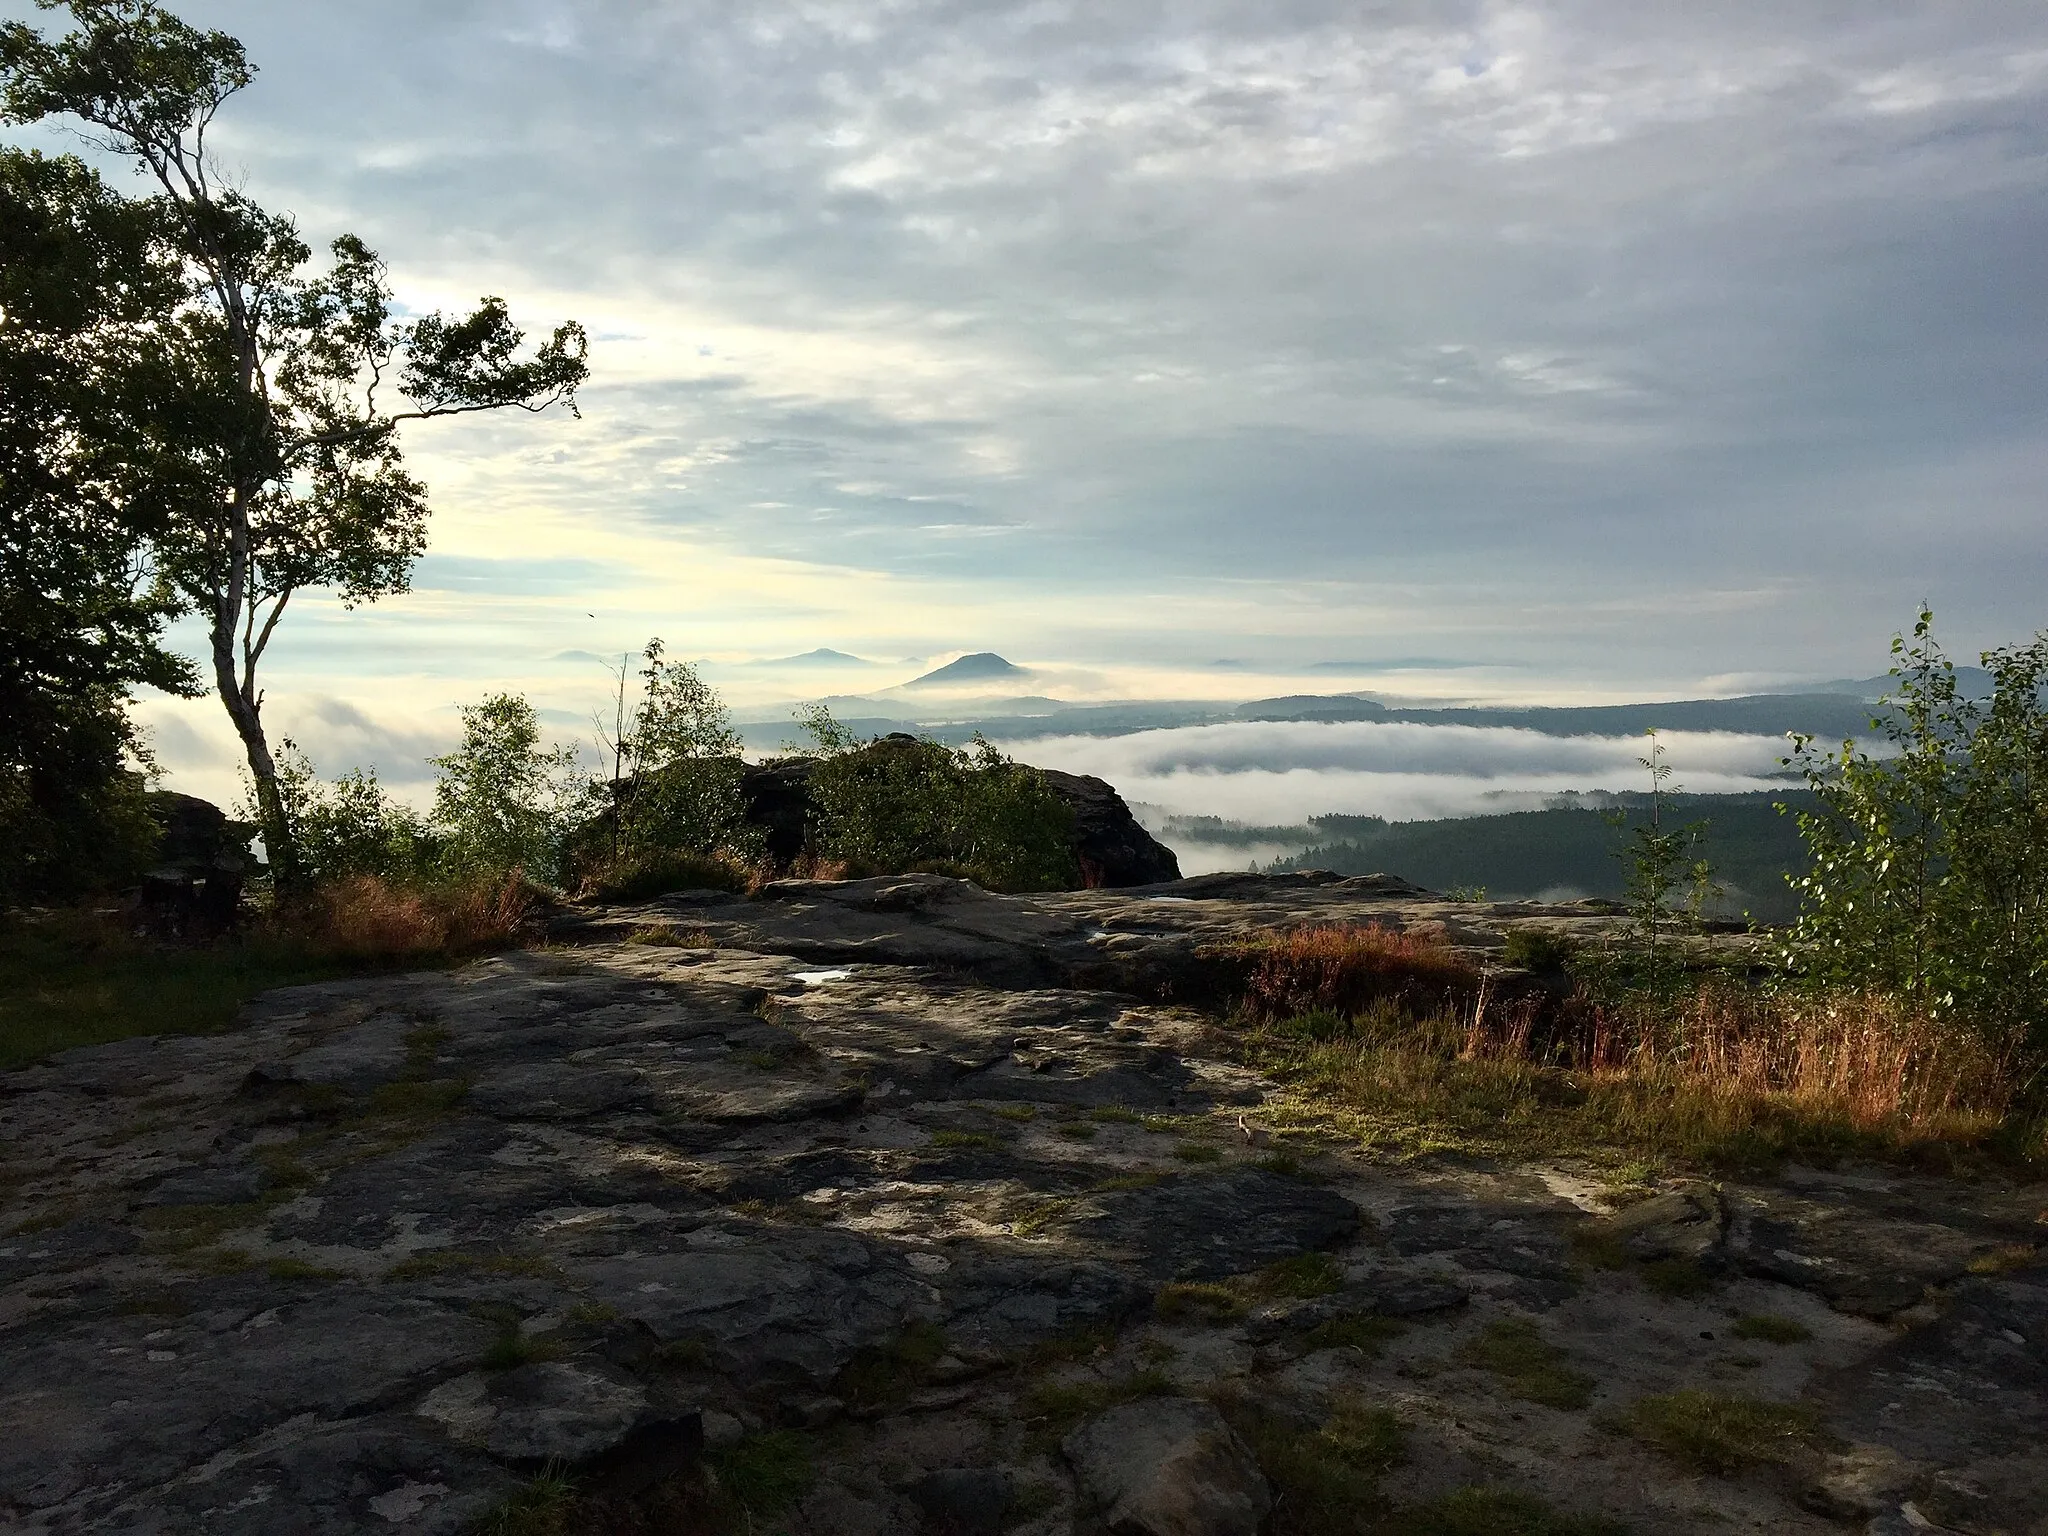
1620	346
1282	773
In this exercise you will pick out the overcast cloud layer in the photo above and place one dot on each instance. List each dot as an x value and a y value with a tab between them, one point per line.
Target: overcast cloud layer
1562	350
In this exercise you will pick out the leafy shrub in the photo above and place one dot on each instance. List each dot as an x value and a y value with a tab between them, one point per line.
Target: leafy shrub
349	826
673	806
503	801
901	804
1929	875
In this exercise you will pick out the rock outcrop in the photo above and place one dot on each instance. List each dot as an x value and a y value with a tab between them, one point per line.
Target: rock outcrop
949	1202
1111	847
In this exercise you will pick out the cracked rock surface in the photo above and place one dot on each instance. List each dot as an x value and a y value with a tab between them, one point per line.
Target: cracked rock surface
956	1186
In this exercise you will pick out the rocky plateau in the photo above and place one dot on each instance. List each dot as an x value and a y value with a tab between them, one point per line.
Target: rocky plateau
965	1201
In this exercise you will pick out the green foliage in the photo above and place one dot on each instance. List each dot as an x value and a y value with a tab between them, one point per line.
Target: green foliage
543	1506
80	621
504	801
675	789
901	803
1664	887
233	420
1930	861
350	826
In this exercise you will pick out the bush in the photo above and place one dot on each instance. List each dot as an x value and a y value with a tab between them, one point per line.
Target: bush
504	802
674	796
900	804
1930	864
366	917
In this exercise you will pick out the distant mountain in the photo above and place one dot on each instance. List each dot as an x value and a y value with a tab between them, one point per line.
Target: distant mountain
1973	682
1312	706
821	657
981	667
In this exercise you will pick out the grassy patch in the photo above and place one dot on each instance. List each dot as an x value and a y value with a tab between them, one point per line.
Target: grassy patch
181	1228
963	1139
2001	1261
512	1349
1306	1275
545	1506
1769	1328
71	979
1198	1152
764	1474
445	1261
1710	1433
1019	1113
1114	1114
1726	1080
1532	1368
1197	1301
1493	1512
1325	1478
1077	1130
1037	1212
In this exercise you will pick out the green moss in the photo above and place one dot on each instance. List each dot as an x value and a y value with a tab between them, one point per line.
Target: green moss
1711	1433
1768	1328
1532	1368
443	1261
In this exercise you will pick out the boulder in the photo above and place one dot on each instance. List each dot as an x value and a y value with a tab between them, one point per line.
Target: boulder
196	889
1169	1466
1112	848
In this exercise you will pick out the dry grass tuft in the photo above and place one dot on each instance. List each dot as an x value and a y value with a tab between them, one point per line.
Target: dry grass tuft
1345	968
370	918
1728	1077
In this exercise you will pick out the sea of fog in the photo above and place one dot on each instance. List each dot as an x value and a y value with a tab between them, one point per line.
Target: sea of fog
1280	773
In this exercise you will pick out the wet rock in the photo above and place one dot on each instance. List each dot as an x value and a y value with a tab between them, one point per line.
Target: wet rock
551	1411
1168	1466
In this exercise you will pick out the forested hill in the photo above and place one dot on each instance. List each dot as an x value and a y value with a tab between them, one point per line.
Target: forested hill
1570	849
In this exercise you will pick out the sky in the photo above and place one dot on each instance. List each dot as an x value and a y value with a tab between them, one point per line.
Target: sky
1509	352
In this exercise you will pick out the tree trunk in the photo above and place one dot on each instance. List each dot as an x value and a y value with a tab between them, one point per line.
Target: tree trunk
246	713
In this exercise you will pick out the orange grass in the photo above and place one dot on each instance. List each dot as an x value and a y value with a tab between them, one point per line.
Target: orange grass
1727	1077
1344	968
366	917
